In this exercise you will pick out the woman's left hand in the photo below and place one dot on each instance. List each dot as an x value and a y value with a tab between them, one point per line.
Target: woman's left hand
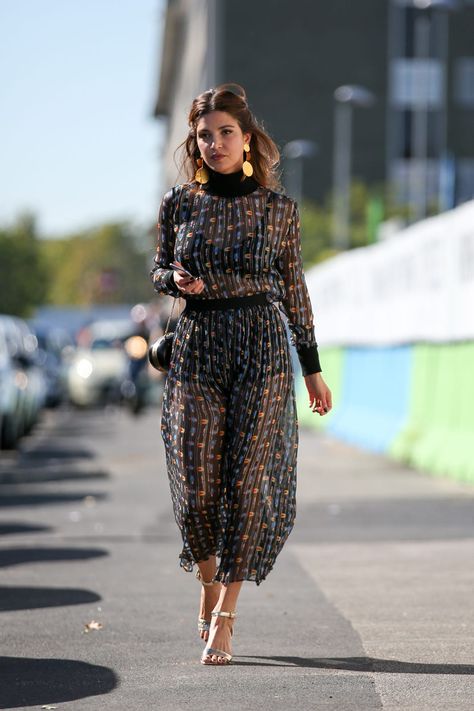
320	398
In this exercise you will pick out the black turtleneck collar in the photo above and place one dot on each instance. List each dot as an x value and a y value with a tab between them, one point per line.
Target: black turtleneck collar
229	184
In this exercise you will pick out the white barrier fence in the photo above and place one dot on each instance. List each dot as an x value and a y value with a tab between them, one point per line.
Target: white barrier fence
417	286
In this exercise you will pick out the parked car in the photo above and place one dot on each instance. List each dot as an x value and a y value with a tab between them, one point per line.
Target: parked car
99	366
22	382
55	346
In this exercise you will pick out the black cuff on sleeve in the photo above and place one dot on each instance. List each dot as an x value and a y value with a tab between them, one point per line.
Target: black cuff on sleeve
309	359
170	283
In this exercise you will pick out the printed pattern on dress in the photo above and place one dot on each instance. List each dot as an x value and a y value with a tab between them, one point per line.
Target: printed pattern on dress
229	420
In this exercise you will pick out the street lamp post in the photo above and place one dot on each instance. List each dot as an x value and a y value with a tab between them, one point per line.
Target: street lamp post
347	97
422	98
419	173
296	151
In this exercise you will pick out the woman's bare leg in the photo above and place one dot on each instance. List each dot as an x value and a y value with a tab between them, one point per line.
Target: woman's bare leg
221	627
209	593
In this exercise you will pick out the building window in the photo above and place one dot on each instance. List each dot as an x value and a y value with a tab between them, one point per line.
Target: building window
464	82
417	83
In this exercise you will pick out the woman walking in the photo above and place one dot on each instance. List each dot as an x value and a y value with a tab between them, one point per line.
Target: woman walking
229	421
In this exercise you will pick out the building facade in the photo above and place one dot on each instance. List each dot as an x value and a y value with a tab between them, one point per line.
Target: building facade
292	56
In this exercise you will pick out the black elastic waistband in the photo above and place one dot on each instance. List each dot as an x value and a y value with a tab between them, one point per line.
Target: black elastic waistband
232	302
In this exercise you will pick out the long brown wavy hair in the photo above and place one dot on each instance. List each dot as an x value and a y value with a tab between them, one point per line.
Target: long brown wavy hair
231	98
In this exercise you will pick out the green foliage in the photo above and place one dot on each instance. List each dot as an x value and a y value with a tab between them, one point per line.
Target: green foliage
22	271
316	236
369	206
101	266
105	265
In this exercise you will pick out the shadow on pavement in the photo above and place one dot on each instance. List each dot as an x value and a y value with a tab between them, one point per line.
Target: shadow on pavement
8	529
17	556
16	598
61	453
18	499
37	473
360	664
31	682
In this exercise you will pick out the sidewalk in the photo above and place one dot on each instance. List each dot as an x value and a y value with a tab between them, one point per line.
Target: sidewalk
369	605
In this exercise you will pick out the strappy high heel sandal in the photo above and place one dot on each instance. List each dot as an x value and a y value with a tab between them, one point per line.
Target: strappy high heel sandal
209	651
203	624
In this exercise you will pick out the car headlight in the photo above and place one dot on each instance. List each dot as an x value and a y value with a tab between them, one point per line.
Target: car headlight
84	368
136	347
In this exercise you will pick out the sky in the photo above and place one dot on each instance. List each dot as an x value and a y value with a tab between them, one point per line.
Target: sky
78	80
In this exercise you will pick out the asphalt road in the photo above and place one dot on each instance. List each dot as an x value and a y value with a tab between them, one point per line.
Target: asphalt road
370	604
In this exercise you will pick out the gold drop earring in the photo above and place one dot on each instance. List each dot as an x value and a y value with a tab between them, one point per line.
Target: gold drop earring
247	167
201	176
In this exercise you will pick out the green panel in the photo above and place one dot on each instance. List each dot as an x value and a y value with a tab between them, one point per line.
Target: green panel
455	455
423	376
438	415
332	361
439	434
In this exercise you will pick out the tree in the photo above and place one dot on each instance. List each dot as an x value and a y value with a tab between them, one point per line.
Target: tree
369	206
316	237
22	271
100	266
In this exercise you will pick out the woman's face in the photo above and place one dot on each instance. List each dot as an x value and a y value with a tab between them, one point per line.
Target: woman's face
221	141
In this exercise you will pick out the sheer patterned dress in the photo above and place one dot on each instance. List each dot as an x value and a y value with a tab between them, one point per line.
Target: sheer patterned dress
229	420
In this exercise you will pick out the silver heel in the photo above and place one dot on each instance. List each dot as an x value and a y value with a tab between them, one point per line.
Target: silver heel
203	624
209	651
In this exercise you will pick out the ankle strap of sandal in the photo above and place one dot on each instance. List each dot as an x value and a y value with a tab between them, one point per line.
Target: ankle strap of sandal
221	613
199	577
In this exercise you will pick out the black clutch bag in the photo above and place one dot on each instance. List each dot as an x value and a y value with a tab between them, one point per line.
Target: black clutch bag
159	353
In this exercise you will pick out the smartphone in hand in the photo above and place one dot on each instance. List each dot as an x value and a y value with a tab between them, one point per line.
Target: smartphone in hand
177	268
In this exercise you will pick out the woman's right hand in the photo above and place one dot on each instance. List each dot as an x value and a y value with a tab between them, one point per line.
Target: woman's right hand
187	284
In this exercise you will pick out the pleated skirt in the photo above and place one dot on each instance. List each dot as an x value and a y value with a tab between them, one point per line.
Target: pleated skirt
230	430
